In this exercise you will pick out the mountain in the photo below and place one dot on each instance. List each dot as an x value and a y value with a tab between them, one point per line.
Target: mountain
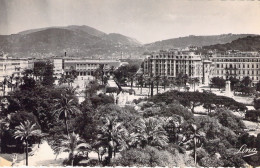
250	43
191	40
82	28
85	41
75	40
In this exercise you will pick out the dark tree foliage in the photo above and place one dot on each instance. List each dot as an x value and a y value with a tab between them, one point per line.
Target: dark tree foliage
258	86
234	82
48	78
252	115
126	73
218	82
101	99
246	81
8	143
257	103
228	119
193	99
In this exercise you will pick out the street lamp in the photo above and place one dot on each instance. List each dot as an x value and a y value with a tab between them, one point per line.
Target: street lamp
24	146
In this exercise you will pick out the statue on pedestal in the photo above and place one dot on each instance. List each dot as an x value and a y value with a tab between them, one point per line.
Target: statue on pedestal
228	91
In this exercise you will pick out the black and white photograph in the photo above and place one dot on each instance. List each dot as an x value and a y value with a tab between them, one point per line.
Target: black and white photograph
130	83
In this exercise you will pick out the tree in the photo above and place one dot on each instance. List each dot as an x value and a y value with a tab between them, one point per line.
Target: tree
111	135
99	73
140	80
151	132
25	131
257	103
65	107
246	81
234	82
258	86
218	82
48	78
165	82
126	73
157	79
73	144
192	99
39	69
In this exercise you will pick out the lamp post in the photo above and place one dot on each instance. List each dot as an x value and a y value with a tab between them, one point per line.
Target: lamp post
24	146
196	139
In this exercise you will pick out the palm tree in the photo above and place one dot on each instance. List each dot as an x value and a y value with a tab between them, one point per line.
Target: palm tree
74	145
141	81
151	132
99	73
165	81
112	133
63	79
26	130
5	82
193	137
157	79
18	80
65	107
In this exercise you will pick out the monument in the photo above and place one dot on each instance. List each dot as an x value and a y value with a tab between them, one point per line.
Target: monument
228	91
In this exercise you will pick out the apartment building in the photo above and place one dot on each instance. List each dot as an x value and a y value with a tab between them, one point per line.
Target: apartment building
237	64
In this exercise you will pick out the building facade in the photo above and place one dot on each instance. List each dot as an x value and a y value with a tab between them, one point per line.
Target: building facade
230	64
83	67
13	66
173	62
237	64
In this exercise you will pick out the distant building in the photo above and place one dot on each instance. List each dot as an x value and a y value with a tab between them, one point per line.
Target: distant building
83	67
171	63
225	65
237	64
13	66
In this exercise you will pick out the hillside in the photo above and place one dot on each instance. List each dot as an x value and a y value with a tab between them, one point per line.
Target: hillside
75	40
243	44
89	42
199	41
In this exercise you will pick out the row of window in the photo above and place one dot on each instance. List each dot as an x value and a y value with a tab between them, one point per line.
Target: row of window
236	60
241	77
238	72
237	66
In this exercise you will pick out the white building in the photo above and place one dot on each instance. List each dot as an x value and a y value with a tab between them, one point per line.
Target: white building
13	66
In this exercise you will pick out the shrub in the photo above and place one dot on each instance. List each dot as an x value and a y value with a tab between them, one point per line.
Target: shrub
177	109
228	119
151	157
210	162
252	115
112	90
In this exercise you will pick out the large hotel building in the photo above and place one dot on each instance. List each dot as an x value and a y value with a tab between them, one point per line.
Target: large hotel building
171	63
230	64
237	64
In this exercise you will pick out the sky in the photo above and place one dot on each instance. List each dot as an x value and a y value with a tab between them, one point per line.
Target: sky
145	20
